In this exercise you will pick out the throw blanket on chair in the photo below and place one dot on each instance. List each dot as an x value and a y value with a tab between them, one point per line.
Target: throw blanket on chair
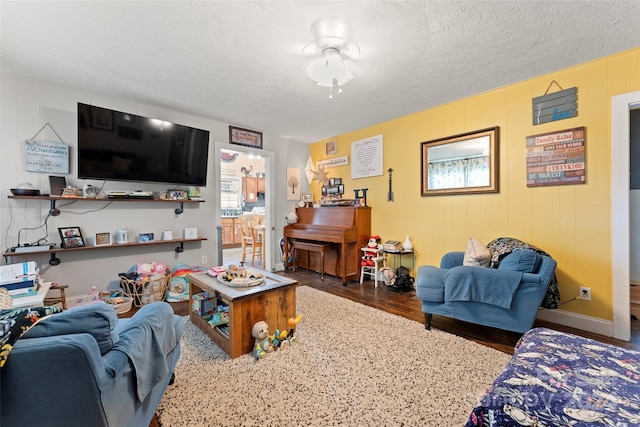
503	246
472	285
14	322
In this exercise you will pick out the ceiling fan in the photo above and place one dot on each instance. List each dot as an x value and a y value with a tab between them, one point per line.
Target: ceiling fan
331	36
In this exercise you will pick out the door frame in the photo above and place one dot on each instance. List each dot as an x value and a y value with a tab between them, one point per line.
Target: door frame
268	199
620	213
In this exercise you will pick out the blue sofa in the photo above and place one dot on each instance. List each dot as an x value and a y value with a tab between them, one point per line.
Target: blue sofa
84	367
507	297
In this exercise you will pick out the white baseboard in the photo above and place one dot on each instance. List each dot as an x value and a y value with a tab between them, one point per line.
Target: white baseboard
578	321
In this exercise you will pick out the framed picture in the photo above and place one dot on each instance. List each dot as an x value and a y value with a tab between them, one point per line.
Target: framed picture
307	198
176	195
71	237
331	147
246	137
145	237
102	239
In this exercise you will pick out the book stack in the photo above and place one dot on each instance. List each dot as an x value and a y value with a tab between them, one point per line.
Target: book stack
392	246
19	279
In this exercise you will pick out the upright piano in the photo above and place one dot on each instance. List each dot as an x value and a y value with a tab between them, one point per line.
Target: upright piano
348	228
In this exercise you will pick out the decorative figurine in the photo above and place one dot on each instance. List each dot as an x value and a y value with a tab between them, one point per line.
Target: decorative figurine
262	345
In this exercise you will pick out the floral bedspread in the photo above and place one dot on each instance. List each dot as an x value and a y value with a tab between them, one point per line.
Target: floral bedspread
559	379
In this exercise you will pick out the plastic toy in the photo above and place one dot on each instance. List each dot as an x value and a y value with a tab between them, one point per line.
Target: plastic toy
262	345
371	251
283	339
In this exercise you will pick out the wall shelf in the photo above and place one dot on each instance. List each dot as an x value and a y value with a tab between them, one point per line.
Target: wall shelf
53	211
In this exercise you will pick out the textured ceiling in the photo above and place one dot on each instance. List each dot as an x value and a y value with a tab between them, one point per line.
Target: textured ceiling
241	62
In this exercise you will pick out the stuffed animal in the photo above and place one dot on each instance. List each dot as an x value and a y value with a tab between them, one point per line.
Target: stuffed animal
389	276
148	271
262	345
371	251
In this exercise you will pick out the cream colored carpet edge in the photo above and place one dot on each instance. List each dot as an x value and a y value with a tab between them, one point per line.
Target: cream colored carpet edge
353	365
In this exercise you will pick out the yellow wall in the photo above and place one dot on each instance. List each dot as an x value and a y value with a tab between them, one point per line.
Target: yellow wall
571	222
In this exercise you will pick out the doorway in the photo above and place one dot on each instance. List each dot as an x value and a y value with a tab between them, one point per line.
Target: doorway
236	167
621	106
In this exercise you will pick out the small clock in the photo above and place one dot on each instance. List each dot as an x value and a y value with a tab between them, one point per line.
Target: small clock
302	204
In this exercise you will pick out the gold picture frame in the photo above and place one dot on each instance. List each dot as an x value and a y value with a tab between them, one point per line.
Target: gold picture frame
461	164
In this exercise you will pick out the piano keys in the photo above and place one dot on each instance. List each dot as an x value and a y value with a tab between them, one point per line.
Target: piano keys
348	228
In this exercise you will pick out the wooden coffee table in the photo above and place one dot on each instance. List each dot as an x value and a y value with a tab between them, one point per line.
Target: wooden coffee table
273	301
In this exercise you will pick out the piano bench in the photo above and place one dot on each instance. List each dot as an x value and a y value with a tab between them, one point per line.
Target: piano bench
311	247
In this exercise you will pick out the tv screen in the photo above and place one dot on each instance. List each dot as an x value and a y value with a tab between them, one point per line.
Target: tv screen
113	145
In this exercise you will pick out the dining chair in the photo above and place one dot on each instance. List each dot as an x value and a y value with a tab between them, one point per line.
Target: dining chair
250	237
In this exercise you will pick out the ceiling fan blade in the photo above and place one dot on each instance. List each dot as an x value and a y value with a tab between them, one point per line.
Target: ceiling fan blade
310	49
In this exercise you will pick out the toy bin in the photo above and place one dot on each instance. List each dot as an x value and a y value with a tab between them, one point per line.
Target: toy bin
145	292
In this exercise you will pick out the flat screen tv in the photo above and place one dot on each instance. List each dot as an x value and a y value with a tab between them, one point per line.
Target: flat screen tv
113	145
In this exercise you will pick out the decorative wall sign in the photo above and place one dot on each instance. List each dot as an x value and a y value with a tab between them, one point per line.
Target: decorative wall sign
366	157
46	157
555	106
338	161
556	158
246	137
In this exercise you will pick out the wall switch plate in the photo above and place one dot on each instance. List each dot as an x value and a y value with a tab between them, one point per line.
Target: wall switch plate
190	233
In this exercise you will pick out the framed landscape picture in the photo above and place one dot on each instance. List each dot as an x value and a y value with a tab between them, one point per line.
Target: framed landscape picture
71	237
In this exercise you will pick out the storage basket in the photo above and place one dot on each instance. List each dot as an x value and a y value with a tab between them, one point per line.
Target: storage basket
145	292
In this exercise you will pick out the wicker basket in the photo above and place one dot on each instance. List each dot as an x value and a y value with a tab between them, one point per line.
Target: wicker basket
145	292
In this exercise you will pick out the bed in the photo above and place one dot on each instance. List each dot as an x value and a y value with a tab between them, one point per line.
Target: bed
560	379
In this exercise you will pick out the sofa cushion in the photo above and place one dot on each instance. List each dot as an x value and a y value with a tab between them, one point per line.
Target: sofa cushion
476	254
98	319
524	260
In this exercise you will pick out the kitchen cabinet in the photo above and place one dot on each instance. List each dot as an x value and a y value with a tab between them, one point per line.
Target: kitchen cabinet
251	186
231	232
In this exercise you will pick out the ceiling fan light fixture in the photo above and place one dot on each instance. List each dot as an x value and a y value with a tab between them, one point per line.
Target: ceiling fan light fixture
329	70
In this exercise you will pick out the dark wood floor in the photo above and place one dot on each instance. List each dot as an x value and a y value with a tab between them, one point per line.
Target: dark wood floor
407	305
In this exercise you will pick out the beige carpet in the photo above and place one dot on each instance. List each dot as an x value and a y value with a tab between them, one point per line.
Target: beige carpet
353	365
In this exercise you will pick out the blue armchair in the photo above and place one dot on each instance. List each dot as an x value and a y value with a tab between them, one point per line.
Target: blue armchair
84	367
507	297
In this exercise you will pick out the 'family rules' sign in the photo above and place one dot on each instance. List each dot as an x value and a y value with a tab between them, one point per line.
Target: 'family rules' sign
556	158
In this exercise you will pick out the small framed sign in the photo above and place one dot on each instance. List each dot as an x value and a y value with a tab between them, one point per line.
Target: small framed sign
246	137
102	239
71	237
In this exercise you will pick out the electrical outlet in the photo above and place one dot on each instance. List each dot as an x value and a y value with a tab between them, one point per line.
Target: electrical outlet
204	259
585	293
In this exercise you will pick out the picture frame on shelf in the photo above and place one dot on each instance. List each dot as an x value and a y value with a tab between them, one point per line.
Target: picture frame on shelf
102	239
146	237
245	137
307	198
71	237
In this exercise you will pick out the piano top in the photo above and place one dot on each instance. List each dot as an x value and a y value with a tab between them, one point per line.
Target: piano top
339	216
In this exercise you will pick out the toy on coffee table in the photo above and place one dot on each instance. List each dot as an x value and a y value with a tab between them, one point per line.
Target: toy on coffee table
262	345
371	251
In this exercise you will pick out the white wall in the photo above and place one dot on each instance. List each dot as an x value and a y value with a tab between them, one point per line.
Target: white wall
26	105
